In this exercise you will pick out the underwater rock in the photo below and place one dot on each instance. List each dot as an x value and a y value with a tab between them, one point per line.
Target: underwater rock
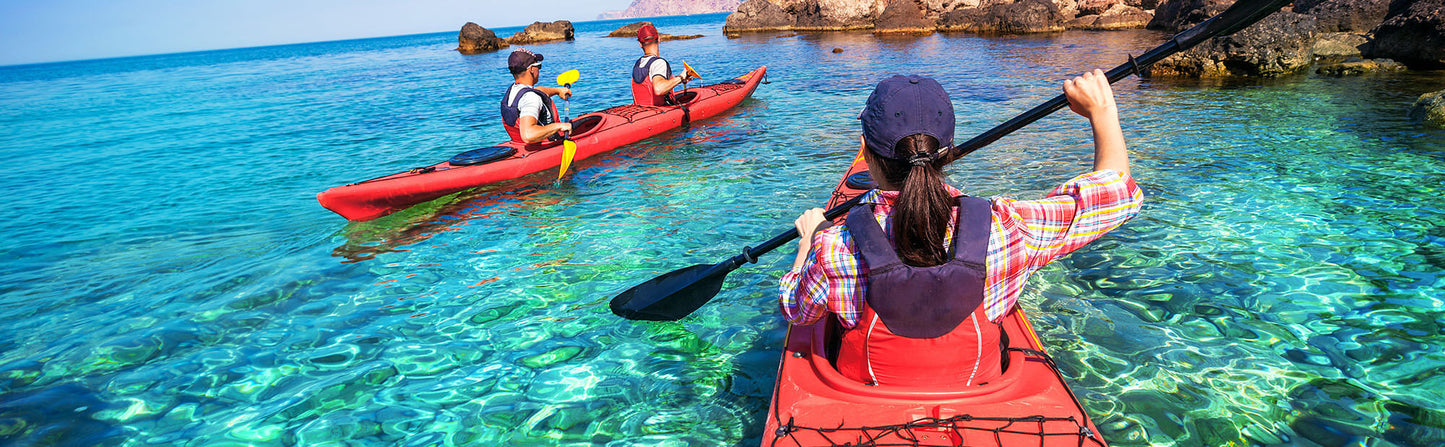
1356	67
1413	33
1278	45
474	39
1430	109
539	32
1344	15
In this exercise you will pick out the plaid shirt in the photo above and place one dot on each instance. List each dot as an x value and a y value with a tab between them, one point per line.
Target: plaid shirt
1025	236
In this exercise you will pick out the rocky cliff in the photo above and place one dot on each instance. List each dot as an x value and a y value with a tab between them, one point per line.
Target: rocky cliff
654	8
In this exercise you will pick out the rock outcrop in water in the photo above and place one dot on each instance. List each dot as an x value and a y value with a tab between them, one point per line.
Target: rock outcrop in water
923	16
1413	32
1430	109
539	32
474	39
1357	66
630	31
1279	44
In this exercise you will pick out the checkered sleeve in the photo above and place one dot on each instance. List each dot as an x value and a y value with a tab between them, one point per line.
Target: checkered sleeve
831	280
1029	234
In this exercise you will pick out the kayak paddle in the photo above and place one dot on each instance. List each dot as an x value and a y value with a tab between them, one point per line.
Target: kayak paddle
569	148
688	74
677	294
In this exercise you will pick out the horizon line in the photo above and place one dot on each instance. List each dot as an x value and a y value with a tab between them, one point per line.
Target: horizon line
177	53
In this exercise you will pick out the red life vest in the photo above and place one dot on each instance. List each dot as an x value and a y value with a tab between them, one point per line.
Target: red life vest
642	92
511	112
923	326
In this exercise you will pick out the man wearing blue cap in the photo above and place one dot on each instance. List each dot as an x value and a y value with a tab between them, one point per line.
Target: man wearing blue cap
527	112
920	275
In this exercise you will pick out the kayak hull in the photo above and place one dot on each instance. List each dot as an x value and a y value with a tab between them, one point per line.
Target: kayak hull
812	404
617	126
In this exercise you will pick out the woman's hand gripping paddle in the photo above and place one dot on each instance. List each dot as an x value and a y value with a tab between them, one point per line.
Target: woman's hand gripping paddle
569	148
678	293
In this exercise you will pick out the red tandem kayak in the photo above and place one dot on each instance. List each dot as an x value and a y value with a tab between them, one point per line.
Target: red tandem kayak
815	405
594	133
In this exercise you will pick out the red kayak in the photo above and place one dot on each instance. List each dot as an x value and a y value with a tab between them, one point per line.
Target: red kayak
594	133
815	405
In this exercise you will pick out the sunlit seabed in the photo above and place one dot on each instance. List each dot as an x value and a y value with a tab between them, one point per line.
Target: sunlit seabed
170	278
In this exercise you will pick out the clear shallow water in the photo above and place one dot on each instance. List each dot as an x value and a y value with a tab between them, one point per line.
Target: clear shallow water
170	279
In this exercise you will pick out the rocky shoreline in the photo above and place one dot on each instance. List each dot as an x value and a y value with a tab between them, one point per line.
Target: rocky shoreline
1341	34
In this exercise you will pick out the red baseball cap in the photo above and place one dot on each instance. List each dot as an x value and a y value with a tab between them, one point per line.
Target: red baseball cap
647	33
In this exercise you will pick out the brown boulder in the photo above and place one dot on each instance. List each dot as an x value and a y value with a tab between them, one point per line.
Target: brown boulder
758	15
474	39
630	30
539	32
1338	46
1117	17
835	15
1024	16
1413	33
1344	15
1178	15
903	17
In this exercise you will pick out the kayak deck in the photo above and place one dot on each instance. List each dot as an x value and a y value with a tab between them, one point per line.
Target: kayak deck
813	404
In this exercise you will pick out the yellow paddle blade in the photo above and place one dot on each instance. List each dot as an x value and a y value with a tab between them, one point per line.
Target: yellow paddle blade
569	149
568	77
690	71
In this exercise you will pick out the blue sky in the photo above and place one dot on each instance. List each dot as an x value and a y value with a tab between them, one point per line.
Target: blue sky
59	30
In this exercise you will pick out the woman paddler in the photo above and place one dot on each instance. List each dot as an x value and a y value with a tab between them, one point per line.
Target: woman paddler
920	275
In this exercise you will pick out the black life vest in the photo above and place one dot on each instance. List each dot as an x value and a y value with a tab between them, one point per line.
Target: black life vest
511	112
912	330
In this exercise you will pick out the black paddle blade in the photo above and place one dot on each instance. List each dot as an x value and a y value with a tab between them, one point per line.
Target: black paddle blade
672	296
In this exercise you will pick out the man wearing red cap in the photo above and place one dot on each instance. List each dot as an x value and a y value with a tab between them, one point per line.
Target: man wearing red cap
652	79
527	112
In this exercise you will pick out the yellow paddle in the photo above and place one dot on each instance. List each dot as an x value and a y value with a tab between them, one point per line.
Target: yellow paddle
569	148
688	73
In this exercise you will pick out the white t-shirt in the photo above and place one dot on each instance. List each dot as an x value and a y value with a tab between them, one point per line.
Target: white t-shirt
658	67
531	105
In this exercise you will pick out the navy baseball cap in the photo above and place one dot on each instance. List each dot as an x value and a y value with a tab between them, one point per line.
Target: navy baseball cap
906	105
522	59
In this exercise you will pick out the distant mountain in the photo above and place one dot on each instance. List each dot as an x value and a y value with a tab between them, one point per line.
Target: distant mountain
654	8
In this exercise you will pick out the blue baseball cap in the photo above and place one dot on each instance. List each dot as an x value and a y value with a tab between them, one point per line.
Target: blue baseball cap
906	105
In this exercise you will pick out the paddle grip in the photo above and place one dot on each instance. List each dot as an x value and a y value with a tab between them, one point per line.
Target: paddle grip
1237	17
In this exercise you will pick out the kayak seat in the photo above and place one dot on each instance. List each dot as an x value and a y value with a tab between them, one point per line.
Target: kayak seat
482	156
584	125
681	98
833	343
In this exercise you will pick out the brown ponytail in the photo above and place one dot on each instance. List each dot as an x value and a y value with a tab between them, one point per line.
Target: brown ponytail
924	207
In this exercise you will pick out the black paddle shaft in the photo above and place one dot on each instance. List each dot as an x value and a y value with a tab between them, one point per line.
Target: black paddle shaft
1237	17
1242	14
678	293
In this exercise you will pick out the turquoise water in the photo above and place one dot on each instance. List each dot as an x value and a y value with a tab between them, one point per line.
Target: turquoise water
169	278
